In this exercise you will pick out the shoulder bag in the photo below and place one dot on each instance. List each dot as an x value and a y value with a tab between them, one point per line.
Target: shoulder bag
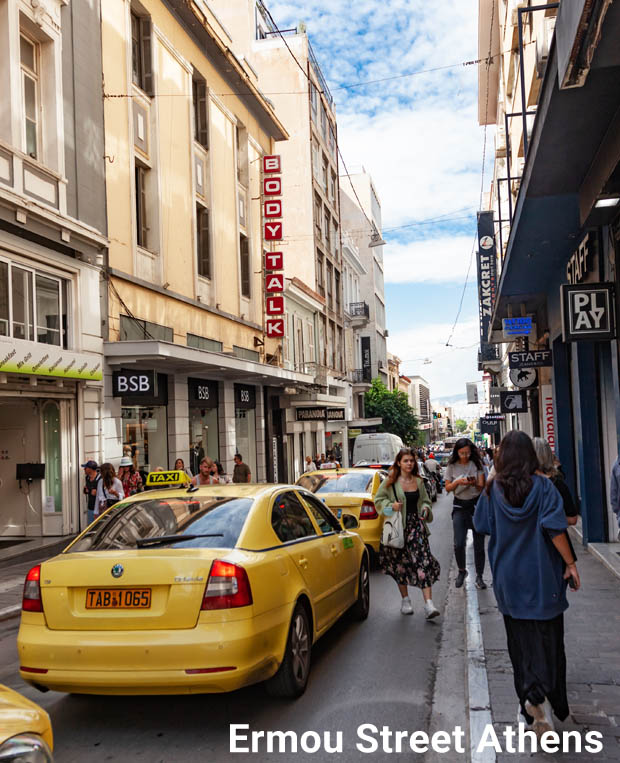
393	530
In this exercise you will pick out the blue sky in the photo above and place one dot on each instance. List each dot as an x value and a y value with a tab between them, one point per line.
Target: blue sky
418	136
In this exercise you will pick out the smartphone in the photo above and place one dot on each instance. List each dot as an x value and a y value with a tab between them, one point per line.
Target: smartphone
572	583
471	479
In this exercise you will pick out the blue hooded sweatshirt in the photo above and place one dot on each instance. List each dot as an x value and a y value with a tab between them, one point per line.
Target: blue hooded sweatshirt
527	568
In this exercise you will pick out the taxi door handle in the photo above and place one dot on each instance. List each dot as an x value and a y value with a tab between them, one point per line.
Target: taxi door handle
333	548
303	562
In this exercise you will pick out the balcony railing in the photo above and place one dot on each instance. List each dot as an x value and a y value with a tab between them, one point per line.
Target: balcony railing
360	376
359	310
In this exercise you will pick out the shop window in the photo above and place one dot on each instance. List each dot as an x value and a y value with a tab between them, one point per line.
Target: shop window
289	519
141	67
203	436
145	436
52	454
202	240
31	97
201	113
33	306
244	255
202	343
135	328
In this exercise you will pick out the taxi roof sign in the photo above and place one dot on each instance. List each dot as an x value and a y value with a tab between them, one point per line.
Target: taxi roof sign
175	478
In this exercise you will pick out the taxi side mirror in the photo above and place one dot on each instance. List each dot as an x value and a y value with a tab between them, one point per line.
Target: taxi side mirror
349	522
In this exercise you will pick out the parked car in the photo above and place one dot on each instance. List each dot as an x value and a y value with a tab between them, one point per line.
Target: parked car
25	729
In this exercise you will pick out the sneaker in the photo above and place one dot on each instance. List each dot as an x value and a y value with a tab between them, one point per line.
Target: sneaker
406	607
480	583
543	719
521	718
460	578
430	610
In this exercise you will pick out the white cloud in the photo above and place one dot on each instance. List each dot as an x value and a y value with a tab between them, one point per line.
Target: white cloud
451	367
434	260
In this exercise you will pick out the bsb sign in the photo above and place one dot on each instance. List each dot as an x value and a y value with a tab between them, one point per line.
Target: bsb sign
275	322
588	312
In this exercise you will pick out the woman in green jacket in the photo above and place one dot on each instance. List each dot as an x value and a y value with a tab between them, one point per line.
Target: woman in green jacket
413	565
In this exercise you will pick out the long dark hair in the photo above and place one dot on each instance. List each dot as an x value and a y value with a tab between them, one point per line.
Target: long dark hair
395	468
515	464
107	475
474	455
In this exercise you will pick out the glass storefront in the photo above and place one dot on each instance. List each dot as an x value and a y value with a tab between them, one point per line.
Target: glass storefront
245	425
203	422
52	454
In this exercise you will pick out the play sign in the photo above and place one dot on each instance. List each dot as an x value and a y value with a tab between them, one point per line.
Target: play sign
588	312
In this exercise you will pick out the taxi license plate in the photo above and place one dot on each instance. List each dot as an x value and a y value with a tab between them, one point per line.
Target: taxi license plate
118	598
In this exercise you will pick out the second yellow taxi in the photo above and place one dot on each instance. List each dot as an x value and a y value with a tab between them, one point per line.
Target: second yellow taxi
25	729
183	590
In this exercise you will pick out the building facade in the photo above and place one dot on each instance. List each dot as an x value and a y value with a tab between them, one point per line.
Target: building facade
420	401
52	247
555	199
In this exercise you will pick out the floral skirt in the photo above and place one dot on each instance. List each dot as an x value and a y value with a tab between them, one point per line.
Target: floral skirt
413	565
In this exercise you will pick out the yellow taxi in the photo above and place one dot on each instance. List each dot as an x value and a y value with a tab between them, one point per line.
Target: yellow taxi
350	491
25	729
192	589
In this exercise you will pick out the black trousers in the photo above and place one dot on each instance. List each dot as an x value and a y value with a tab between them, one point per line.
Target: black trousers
462	521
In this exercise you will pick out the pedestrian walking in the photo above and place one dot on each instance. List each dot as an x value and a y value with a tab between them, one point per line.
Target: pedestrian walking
207	473
464	476
179	466
310	465
413	565
92	477
547	467
241	472
221	474
129	477
532	564
109	488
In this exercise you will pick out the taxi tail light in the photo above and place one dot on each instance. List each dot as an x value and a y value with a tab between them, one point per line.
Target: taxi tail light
31	601
368	510
228	586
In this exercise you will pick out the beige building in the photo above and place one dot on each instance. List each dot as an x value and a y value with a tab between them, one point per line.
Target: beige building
290	76
393	375
189	369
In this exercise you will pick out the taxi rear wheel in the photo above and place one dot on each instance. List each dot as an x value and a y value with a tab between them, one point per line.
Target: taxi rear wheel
362	605
292	676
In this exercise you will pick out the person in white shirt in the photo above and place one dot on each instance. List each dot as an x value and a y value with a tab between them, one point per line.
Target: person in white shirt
109	489
310	465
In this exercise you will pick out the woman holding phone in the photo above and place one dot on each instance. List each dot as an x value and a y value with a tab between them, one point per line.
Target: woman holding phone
464	477
414	565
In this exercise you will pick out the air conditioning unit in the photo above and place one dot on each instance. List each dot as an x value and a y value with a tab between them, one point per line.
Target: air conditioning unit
386	334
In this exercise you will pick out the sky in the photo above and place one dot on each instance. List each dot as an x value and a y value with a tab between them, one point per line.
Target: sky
419	139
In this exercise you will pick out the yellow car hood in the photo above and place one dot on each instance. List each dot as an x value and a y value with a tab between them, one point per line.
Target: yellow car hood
19	715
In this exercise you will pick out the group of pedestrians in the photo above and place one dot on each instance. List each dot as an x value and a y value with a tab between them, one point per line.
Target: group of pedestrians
521	502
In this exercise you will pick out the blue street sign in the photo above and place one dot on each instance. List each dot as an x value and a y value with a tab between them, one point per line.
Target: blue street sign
517	326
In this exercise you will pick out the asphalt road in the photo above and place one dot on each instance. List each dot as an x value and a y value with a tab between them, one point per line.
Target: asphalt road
381	672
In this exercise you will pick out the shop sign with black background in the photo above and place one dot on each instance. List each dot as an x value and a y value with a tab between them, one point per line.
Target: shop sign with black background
489	426
487	275
530	359
202	393
588	312
513	402
335	414
245	397
311	414
140	387
366	359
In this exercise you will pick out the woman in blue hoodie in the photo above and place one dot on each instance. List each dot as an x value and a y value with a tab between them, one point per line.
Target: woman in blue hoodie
532	562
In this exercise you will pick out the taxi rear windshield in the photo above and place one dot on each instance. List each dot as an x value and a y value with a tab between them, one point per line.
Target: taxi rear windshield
126	523
351	482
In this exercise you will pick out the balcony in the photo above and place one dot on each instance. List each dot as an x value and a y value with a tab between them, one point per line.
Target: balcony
360	376
358	313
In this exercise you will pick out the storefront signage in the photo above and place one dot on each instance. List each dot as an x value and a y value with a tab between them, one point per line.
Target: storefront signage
18	356
588	312
489	425
495	416
530	359
517	326
133	383
273	262
523	378
547	413
245	396
335	414
366	359
513	402
582	260
487	273
202	393
311	414
274	456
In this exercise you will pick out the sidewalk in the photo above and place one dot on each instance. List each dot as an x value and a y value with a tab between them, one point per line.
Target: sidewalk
592	625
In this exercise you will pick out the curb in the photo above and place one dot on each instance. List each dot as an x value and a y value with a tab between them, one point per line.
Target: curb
600	551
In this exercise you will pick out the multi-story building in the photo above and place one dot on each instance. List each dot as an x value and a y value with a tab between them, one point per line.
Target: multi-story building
393	374
361	220
551	89
312	421
52	245
443	423
189	368
420	401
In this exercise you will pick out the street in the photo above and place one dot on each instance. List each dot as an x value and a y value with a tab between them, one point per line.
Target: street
380	671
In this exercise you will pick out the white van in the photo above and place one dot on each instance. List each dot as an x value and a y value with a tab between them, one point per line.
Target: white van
379	448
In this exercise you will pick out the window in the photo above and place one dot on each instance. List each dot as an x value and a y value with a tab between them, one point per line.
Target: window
332	188
339	351
244	253
334	482
199	92
242	352
202	343
326	521
289	519
135	328
329	285
313	100
141	69
335	239
318	213
29	61
325	174
323	122
316	164
310	337
241	142
141	208
337	288
320	279
332	139
326	230
33	306
202	240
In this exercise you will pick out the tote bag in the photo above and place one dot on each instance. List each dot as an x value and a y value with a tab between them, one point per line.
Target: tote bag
393	530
